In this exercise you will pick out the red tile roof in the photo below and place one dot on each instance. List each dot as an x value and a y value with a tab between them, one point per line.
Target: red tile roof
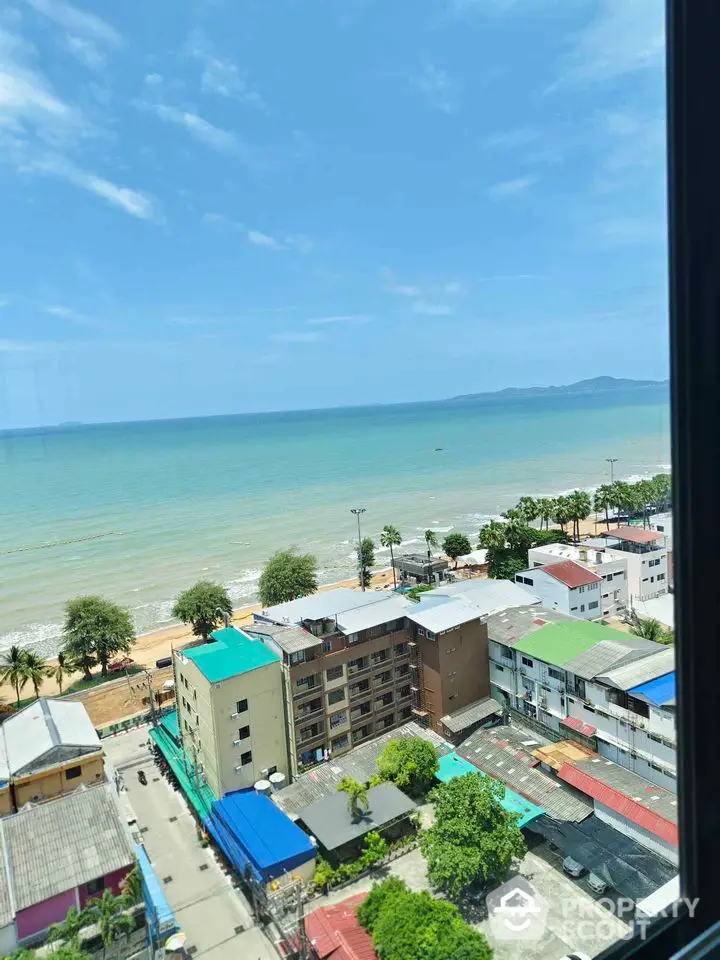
571	574
575	723
635	534
335	933
620	803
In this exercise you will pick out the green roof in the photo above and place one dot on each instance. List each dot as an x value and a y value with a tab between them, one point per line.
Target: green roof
558	643
229	653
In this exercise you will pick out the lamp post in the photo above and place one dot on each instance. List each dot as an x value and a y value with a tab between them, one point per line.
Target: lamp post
612	461
358	511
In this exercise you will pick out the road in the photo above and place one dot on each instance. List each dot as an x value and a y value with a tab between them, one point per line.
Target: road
215	917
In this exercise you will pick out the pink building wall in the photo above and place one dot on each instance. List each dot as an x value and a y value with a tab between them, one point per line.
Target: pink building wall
39	917
112	882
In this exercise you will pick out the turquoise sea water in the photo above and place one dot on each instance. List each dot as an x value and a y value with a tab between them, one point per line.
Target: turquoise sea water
165	503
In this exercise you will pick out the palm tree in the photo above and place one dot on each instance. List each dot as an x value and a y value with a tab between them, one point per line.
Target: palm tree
390	537
107	912
358	799
131	887
64	667
37	670
603	501
493	536
527	509
70	928
545	507
432	542
562	513
580	506
14	670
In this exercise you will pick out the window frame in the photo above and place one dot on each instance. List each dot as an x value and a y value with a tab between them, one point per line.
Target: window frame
693	69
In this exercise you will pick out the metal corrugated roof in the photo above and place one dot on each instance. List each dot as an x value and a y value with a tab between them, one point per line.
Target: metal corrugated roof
229	654
7	907
329	820
504	753
489	595
290	639
56	729
335	932
623	791
369	615
608	654
635	535
474	713
562	642
511	625
438	616
659	692
576	724
640	671
321	605
571	573
57	846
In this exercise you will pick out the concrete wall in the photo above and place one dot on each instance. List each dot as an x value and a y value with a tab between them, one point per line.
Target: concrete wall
55	782
112	882
39	917
644	837
8	940
455	669
642	578
208	725
5	803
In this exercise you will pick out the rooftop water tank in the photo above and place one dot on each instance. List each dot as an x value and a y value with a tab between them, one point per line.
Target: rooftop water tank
263	787
277	781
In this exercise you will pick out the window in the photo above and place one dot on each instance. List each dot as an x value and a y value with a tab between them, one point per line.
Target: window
499	668
593	605
661	576
527	662
556	674
308	682
527	580
337	719
581	589
335	696
339	743
72	773
431	635
420	632
246	757
95	886
333	673
243	733
327	646
582	608
241	706
298	657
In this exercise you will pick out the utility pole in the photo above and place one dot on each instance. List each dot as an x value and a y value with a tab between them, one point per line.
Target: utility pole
358	511
302	933
612	461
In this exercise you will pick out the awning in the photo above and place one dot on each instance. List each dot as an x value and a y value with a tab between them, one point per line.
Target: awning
574	723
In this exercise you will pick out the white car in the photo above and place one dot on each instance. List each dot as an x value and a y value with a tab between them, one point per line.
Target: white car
596	884
572	867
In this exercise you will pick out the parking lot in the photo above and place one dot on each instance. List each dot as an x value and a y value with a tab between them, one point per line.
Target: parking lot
215	917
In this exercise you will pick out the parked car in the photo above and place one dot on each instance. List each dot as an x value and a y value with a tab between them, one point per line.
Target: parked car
596	884
572	867
120	664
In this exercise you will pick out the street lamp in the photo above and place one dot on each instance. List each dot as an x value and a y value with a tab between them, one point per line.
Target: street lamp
361	569
612	461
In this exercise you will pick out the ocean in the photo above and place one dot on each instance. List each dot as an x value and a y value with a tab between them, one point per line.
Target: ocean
139	511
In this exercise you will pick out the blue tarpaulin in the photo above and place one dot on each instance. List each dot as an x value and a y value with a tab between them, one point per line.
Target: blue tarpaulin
253	832
658	691
161	919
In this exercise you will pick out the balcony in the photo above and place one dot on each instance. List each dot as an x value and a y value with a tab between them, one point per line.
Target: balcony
401	654
384	703
304	716
364	710
307	689
354	669
382	679
363	734
404	694
401	672
621	713
378	659
310	736
360	690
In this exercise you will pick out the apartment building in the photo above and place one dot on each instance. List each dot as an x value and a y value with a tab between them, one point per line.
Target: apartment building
646	557
357	664
611	691
47	750
566	586
611	569
230	709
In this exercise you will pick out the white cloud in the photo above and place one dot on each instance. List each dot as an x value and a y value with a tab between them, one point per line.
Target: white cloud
221	140
453	287
134	202
510	188
307	336
269	358
86	51
25	95
348	318
221	76
428	309
623	37
297	242
77	21
405	290
510	139
153	79
258	239
629	231
28	346
439	89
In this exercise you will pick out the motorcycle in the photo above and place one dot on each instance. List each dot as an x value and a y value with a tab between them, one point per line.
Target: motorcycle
142	778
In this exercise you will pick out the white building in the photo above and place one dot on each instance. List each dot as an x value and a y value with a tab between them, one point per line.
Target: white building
612	570
566	586
646	557
612	691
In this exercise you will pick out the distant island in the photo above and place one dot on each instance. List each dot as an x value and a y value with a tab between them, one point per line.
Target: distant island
595	385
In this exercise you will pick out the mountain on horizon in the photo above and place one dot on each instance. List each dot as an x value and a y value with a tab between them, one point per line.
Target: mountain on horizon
594	385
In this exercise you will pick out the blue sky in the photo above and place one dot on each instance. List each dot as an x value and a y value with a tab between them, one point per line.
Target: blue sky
302	203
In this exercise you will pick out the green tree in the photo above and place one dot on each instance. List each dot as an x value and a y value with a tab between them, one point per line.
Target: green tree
492	536
650	629
367	560
62	668
390	537
69	929
95	630
37	670
410	763
473	840
545	509
507	545
456	545
603	500
205	606
415	926
431	541
14	669
375	849
357	794
527	509
131	887
108	912
287	576
562	512
580	506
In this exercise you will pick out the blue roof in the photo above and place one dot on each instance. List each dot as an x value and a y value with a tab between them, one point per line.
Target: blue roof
230	652
452	765
658	691
170	722
162	918
250	828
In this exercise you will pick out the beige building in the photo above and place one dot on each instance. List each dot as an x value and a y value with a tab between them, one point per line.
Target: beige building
47	750
230	709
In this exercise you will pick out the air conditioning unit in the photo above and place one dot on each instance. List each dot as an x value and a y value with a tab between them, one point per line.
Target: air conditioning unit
234	716
236	743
